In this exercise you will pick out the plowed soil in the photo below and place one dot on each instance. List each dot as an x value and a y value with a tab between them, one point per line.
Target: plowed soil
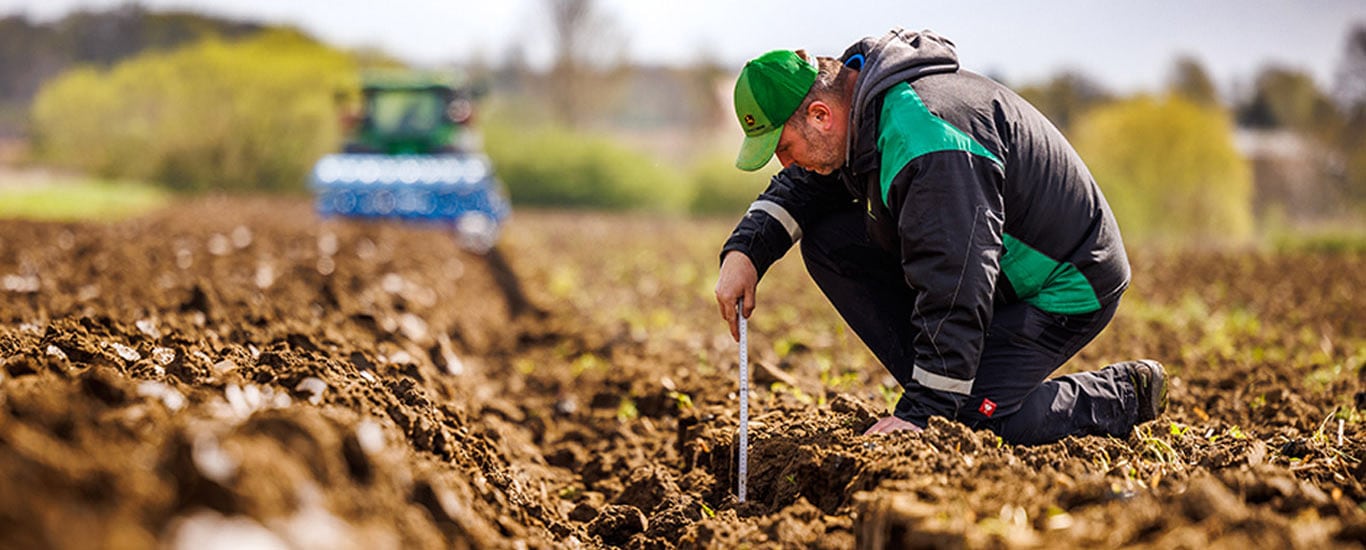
238	373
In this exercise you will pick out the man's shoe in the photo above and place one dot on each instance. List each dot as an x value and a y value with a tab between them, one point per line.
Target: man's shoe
1150	386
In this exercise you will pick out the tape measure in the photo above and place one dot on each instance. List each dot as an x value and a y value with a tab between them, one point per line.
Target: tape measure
744	399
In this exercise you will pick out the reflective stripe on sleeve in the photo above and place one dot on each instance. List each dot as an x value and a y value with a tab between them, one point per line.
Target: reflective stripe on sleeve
779	213
940	382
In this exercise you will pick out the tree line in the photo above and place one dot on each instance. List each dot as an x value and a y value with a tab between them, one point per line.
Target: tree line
33	53
1306	144
237	106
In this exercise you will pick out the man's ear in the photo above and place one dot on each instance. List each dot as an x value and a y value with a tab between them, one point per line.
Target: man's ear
820	115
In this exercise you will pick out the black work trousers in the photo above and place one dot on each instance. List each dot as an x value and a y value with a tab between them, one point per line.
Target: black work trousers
1023	344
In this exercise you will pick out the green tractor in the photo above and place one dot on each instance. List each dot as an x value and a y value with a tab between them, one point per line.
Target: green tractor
410	156
411	114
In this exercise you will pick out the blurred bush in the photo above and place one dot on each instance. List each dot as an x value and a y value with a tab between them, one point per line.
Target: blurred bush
248	115
719	188
551	166
1170	170
554	166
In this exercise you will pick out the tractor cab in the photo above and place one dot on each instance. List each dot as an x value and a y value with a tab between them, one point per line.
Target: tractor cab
412	114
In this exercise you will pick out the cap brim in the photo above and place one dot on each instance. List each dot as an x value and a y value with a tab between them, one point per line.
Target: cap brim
756	150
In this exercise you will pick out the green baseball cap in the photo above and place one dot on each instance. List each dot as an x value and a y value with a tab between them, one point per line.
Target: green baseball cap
769	90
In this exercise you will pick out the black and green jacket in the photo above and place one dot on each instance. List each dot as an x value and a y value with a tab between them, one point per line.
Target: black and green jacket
982	198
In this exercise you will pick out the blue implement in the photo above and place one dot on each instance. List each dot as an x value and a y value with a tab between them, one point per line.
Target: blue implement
458	189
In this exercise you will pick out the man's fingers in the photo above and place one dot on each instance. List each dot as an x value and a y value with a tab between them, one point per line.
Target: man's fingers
736	282
891	424
728	313
879	427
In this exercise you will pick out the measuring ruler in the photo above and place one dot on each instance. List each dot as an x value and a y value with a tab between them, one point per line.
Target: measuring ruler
744	398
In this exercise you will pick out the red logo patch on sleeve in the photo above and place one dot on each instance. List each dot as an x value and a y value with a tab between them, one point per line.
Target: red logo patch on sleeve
987	408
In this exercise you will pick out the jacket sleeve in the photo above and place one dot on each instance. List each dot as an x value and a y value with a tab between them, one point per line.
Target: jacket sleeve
950	217
774	221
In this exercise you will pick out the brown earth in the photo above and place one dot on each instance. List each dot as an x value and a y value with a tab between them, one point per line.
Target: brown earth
237	371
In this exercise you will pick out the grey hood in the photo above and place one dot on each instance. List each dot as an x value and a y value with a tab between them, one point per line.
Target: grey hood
895	57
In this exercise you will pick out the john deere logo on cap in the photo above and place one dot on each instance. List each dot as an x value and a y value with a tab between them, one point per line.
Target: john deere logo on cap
749	120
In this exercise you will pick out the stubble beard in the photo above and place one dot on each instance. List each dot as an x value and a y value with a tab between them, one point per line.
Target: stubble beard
827	152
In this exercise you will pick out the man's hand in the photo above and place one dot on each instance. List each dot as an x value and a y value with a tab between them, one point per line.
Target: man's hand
736	281
891	424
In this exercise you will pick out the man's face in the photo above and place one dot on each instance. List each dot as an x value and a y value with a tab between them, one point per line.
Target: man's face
816	142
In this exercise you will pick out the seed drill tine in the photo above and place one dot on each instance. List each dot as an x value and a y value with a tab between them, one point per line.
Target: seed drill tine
744	398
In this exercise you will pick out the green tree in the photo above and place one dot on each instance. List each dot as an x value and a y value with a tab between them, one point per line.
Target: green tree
1350	78
1190	81
1289	99
1169	170
32	53
248	115
1065	97
1350	92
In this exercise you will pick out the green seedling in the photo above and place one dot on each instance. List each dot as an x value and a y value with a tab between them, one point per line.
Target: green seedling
683	400
843	382
626	411
1057	518
707	511
1235	432
585	363
1131	474
1321	378
1159	449
1321	434
784	346
1162	450
825	362
801	396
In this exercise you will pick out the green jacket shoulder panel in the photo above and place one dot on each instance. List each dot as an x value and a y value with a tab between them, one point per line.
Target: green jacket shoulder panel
909	130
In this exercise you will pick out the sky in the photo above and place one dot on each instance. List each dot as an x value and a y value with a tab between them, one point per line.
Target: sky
1125	46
